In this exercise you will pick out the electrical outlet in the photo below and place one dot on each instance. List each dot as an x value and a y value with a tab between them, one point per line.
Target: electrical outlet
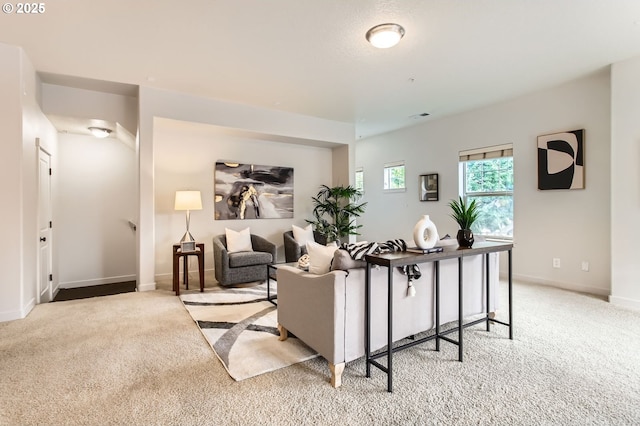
556	262
585	266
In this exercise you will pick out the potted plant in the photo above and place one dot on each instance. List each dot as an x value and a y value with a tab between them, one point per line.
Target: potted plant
464	214
335	210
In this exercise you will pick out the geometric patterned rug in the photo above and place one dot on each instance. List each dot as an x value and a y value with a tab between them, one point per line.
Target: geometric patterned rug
241	327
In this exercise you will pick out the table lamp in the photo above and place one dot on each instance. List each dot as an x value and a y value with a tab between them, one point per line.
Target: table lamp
188	200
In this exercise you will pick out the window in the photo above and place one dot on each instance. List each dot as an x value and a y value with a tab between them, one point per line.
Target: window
487	177
394	177
359	179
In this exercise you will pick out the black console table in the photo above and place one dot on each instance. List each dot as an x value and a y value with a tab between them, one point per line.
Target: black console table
397	259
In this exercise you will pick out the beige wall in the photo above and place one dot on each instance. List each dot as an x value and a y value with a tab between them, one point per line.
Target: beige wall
189	165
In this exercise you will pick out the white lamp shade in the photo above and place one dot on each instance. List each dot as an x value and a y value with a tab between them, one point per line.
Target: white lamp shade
188	200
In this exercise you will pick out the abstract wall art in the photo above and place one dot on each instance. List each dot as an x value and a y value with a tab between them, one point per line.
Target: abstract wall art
429	187
561	160
251	191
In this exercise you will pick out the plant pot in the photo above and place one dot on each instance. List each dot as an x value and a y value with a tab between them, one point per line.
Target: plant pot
465	238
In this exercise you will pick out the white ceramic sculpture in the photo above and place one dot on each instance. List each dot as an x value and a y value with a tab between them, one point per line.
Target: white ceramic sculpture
425	234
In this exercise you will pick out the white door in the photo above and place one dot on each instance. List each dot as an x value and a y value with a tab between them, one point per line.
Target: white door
44	227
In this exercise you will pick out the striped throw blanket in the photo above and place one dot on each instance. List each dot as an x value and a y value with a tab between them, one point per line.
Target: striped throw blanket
359	251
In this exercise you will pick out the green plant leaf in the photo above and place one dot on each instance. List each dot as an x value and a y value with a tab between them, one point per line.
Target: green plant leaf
464	214
334	211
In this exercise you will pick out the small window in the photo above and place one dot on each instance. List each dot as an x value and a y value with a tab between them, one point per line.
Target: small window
359	179
394	180
487	177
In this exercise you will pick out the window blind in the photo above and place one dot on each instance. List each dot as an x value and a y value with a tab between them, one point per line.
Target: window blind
496	151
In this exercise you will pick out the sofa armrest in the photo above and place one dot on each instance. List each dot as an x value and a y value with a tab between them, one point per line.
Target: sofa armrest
220	258
292	250
312	307
262	244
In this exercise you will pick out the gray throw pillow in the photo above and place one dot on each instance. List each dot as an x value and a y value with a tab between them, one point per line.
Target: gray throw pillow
342	261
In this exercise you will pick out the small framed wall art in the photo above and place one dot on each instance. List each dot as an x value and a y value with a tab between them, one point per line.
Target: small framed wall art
429	187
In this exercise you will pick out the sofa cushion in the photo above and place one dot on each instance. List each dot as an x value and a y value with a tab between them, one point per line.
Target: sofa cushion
320	257
249	258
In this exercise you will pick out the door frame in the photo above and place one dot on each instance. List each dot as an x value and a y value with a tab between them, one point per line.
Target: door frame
48	286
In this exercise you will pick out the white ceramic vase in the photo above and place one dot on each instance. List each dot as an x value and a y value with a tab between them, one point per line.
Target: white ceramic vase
425	234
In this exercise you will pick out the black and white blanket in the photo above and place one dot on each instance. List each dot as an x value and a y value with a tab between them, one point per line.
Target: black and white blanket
358	251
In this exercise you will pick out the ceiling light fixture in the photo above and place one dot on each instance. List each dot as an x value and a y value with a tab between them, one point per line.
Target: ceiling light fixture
384	36
99	132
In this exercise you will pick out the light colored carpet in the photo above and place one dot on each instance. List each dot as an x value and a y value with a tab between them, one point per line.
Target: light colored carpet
138	358
241	327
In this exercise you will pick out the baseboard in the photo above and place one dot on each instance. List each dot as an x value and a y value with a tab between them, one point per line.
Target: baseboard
193	272
624	302
97	281
563	285
147	287
28	307
10	315
19	314
169	276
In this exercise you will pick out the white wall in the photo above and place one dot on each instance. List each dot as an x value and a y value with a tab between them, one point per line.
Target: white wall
185	155
35	126
10	187
96	198
625	183
21	122
91	104
570	225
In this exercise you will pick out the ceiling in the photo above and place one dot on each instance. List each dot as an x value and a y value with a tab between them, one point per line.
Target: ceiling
310	57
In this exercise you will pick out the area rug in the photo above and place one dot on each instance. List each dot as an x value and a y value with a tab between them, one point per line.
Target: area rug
241	327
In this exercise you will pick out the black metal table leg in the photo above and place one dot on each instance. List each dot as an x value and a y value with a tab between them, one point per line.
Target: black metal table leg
486	256
367	319
390	331
437	303
269	298
460	309
510	300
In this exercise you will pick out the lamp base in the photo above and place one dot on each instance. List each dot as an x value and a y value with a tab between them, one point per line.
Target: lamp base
187	238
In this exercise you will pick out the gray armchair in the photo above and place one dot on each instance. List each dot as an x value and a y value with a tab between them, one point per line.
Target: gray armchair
242	267
293	251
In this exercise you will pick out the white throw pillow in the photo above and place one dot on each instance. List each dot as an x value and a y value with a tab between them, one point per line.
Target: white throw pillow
238	241
303	235
320	257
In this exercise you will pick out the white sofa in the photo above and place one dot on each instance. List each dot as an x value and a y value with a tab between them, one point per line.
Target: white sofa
327	311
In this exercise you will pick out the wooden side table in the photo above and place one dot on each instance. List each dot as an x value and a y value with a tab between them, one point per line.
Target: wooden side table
177	254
